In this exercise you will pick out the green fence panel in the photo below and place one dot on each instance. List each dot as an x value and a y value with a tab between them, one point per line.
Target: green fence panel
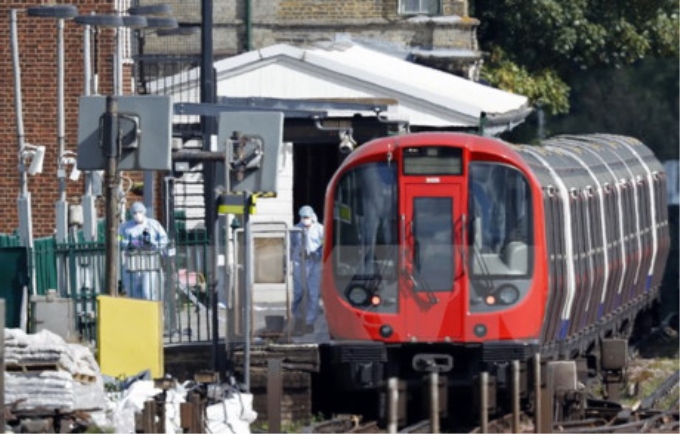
77	269
13	277
45	258
10	240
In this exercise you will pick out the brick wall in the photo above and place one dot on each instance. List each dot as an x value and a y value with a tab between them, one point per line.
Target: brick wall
275	21
37	40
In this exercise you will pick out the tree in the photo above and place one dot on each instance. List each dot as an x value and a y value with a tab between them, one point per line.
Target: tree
639	100
538	47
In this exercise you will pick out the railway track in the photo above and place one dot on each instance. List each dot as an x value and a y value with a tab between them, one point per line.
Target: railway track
646	416
608	417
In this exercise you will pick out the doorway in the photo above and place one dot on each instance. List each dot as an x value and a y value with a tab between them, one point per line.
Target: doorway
313	167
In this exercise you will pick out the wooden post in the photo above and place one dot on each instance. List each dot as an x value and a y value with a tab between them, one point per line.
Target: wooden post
538	423
484	402
149	416
274	394
515	396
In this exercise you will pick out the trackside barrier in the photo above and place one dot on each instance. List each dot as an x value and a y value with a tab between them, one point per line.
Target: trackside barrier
75	270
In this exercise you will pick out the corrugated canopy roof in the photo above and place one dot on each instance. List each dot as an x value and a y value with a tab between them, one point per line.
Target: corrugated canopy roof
346	70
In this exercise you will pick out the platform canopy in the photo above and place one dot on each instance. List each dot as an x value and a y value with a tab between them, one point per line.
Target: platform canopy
347	71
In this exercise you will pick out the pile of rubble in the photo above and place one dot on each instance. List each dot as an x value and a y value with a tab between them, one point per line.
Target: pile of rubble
55	386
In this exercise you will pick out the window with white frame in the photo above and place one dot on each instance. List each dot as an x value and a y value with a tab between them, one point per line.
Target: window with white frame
427	7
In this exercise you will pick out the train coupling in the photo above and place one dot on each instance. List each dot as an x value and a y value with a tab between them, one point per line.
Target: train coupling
432	363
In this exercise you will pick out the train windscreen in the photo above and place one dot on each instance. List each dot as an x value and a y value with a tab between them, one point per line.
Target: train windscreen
365	239
500	236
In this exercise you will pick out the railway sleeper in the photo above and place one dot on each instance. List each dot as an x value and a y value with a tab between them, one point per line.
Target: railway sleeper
562	386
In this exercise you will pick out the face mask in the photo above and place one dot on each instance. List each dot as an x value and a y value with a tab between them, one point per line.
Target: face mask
138	217
307	221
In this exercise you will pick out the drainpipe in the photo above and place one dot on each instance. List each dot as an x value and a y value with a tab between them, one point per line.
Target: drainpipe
249	25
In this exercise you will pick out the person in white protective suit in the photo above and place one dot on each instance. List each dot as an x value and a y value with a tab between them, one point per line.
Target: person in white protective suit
306	246
142	234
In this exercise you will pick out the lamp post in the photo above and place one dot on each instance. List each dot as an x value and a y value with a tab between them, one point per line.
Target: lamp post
25	150
110	148
60	13
88	199
24	200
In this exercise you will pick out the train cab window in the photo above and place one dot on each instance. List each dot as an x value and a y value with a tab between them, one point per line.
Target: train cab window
365	240
500	237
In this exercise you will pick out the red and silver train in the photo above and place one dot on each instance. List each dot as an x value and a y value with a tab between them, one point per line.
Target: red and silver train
458	253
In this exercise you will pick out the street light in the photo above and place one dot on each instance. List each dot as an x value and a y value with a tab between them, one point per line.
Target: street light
69	159
60	13
35	153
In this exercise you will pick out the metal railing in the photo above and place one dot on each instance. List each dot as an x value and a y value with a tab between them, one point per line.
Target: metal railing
76	270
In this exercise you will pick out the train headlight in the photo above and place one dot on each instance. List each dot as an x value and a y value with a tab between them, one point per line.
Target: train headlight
386	331
507	294
358	295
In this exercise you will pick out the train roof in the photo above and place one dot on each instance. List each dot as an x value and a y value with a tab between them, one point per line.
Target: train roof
472	142
580	161
584	161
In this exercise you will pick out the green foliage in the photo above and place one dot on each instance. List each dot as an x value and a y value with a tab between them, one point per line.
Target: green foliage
639	101
545	87
542	46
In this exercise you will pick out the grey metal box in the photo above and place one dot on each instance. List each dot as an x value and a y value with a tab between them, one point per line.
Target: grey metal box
55	314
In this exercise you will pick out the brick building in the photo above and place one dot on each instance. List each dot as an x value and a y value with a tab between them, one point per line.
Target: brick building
437	32
37	49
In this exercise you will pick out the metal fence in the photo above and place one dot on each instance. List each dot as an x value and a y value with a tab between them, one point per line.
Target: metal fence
76	271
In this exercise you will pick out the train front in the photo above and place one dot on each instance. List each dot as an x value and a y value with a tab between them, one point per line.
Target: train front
435	238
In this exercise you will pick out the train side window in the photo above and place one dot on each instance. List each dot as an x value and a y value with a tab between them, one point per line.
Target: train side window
597	217
589	235
647	208
575	225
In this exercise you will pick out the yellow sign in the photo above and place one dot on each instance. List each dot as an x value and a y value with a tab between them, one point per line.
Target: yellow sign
129	336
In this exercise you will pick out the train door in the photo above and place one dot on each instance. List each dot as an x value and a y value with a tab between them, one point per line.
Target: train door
432	228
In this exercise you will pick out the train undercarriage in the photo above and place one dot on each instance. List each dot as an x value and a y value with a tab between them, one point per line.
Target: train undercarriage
402	383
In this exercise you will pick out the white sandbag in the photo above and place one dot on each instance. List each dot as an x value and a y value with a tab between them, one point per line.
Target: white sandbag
89	396
46	391
233	415
132	402
49	349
